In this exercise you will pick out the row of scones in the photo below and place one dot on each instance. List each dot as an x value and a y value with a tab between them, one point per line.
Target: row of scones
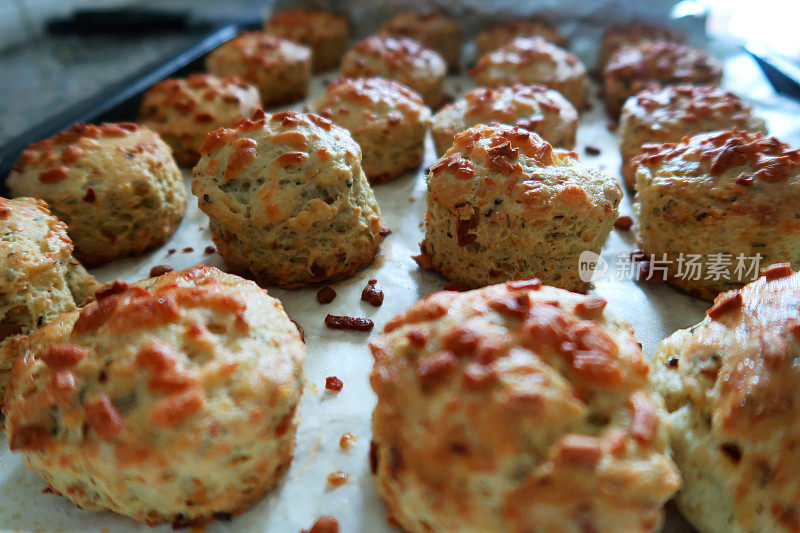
173	399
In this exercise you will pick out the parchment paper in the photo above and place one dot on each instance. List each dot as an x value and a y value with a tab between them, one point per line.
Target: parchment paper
655	310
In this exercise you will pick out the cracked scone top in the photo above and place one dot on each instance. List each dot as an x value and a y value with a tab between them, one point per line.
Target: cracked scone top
387	119
278	67
184	111
287	199
401	59
432	28
732	390
534	61
170	400
733	193
502	34
667	114
513	405
504	204
326	33
532	107
40	278
116	186
649	64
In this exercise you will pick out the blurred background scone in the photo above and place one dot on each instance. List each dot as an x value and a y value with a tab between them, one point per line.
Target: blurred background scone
650	64
387	119
499	35
287	199
171	400
503	204
184	111
40	277
433	29
532	61
728	198
116	186
280	69
515	405
631	33
401	59
532	107
732	388
667	114
324	32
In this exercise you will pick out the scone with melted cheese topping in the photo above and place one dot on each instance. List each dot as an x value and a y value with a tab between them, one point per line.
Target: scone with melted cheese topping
503	204
532	107
287	199
517	407
170	400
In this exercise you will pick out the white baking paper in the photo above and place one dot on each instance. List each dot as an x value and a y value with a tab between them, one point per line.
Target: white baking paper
655	310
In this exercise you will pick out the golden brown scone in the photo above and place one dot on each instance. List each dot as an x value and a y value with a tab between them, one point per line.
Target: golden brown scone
532	107
501	34
732	389
40	278
401	59
503	204
287	199
534	61
116	186
324	32
718	196
633	33
517	407
387	119
170	400
431	28
279	68
650	64
184	111
667	114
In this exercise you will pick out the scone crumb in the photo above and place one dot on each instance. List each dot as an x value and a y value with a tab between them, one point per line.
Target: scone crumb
349	322
372	295
338	478
324	524
160	270
332	383
326	295
347	441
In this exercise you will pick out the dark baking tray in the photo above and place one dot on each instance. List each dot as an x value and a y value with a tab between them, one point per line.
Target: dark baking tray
119	102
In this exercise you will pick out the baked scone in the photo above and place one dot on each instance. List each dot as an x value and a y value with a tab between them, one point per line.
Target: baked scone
170	400
499	35
387	119
280	69
517	407
732	387
324	32
503	204
401	59
116	186
532	107
649	64
534	61
184	111
722	199
287	199
633	33
433	29
667	114
41	279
